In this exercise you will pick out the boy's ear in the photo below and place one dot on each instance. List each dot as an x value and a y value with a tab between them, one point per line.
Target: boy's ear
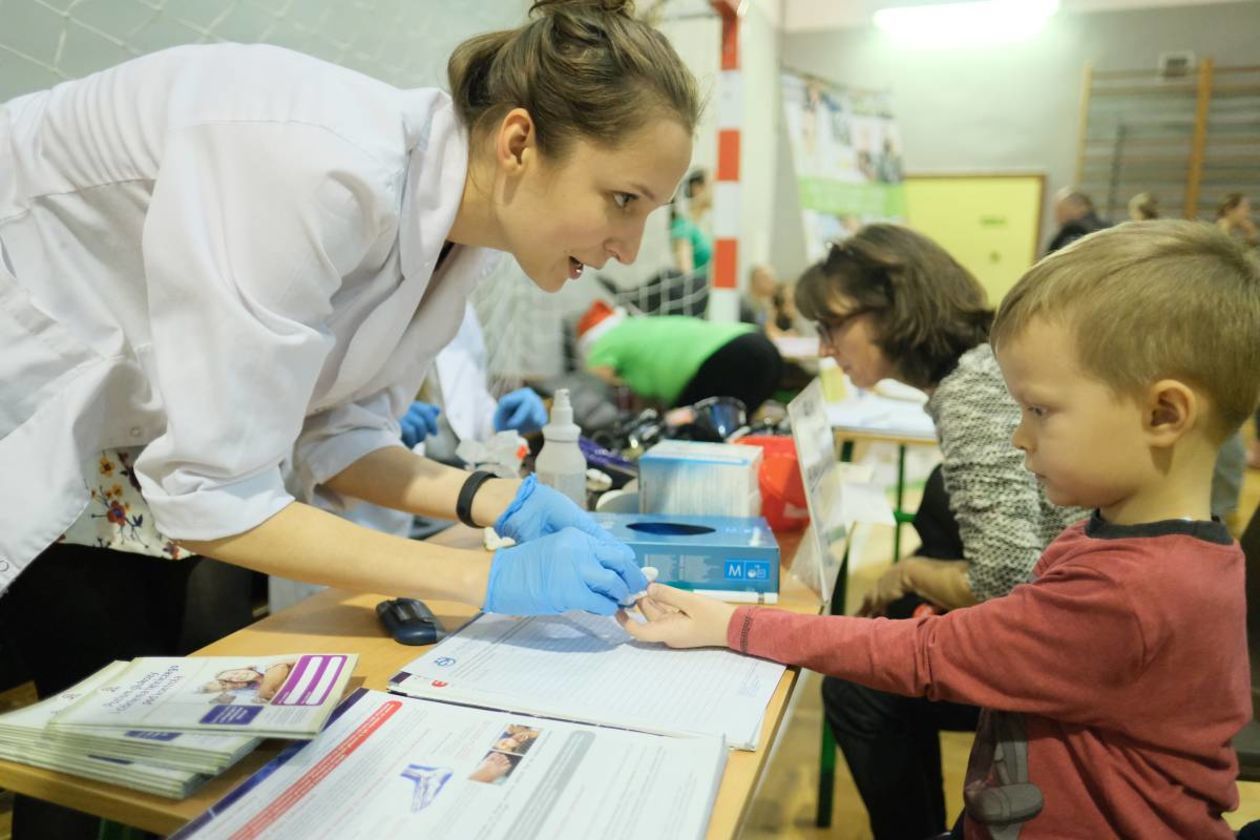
515	139
1172	409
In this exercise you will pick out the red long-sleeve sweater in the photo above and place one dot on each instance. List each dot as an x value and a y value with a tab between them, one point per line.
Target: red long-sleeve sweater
1127	657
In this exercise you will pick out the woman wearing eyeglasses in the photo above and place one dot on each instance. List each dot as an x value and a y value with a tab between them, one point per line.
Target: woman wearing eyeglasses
892	304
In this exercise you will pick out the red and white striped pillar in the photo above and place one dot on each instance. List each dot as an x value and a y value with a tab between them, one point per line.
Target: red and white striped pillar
724	295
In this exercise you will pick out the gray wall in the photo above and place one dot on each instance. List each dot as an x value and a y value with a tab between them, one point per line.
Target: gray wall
1006	108
404	42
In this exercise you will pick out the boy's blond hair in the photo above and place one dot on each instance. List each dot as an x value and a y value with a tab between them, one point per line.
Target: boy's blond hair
1153	300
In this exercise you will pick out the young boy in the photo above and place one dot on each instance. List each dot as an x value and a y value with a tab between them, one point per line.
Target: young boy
1116	678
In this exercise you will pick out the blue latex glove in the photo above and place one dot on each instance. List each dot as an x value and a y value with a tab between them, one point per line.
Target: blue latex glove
419	422
521	411
570	570
539	510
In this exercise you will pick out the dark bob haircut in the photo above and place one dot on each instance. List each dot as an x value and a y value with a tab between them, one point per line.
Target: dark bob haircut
928	309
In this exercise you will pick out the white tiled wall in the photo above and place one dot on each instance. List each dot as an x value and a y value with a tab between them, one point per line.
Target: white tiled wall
404	42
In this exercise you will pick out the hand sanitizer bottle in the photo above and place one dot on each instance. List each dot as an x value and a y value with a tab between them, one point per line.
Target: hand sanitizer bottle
561	463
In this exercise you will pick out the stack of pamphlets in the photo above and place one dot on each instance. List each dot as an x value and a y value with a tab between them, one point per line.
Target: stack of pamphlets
166	725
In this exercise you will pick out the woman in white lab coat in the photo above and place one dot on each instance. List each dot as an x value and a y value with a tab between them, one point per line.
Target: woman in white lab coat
217	258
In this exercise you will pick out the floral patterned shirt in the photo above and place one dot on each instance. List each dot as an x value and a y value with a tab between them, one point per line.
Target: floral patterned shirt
118	517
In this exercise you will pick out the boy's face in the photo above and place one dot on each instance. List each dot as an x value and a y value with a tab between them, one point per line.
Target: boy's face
1083	441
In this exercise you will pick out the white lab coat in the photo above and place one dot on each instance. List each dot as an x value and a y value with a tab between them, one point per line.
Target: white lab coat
224	253
461	376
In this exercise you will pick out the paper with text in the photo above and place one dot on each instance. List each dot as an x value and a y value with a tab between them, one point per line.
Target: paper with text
390	766
586	668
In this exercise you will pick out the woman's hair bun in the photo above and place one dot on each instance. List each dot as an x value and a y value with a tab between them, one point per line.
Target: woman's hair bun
608	7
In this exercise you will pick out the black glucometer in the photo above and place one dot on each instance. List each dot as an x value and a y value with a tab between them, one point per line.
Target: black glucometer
409	621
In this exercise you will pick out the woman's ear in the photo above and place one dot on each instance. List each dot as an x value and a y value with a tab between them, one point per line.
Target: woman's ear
1172	408
515	139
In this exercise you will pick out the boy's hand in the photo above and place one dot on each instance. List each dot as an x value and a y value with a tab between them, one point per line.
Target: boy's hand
679	619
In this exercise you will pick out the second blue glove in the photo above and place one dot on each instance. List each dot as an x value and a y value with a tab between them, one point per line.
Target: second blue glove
521	411
419	422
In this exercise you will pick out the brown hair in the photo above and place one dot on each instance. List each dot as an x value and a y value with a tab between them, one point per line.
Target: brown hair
928	309
581	68
1152	300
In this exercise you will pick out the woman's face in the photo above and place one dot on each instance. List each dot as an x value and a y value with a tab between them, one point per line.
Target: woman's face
847	334
558	217
238	675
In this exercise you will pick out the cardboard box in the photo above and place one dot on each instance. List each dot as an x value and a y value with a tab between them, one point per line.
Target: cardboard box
691	478
732	558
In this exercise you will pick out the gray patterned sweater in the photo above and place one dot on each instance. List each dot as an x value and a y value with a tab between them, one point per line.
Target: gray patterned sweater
1004	518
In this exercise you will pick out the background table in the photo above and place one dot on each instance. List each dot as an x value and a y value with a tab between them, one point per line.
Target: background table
341	622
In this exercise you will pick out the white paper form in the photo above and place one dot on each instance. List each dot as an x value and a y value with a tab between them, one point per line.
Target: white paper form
586	668
390	766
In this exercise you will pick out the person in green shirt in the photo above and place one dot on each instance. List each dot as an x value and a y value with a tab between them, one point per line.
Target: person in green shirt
692	247
679	360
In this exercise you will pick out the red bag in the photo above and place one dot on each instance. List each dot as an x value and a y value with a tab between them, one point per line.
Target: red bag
782	491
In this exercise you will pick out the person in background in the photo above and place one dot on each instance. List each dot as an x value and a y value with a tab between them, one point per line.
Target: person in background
769	305
891	303
677	360
1233	216
691	246
461	406
757	307
1075	215
785	311
1143	207
1114	681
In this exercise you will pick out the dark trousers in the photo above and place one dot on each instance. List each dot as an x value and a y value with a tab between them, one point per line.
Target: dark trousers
747	367
75	609
892	743
893	749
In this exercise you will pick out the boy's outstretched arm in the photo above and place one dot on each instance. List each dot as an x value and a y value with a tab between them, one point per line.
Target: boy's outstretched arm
1057	648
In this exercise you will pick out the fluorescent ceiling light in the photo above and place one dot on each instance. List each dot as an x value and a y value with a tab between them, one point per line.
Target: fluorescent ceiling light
955	24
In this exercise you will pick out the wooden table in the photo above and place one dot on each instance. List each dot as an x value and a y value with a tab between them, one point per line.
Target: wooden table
341	622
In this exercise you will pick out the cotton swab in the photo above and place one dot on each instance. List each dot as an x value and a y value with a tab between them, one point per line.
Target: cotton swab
649	572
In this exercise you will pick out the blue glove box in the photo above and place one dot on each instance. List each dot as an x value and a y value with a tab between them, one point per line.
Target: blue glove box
729	557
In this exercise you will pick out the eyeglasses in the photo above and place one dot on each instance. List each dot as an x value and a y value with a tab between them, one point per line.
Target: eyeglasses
830	329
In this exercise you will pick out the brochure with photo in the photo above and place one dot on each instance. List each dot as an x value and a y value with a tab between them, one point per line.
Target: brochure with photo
289	696
390	766
25	730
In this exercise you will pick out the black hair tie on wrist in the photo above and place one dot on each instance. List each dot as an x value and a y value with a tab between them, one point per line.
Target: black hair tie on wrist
463	505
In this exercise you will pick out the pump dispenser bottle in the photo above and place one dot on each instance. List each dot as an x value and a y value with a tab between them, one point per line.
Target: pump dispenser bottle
561	464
